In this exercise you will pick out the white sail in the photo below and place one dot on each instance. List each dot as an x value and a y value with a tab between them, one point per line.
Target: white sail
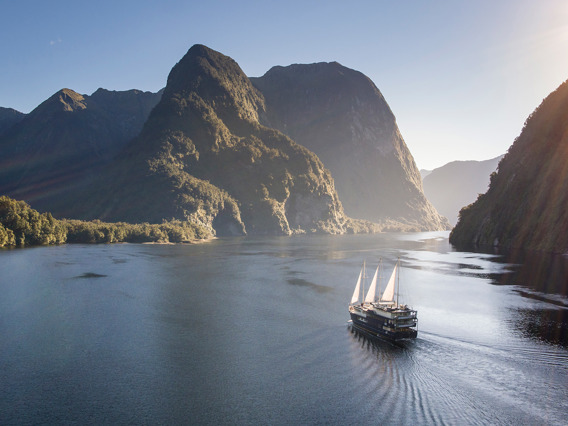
388	294
355	297
370	297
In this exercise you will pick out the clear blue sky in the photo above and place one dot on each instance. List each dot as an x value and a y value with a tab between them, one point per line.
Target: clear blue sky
460	76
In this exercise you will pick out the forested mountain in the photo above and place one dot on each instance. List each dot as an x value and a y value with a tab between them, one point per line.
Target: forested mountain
62	144
215	150
203	156
457	184
341	116
527	201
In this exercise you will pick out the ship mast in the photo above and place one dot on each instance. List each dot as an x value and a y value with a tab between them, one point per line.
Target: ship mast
364	276
380	278
398	280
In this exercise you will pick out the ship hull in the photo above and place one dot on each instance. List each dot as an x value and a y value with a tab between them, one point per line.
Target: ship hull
385	326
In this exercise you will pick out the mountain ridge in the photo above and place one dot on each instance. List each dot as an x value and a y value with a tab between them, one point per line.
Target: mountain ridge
65	140
524	206
8	118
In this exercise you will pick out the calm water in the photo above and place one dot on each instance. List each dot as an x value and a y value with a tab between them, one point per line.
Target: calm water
253	331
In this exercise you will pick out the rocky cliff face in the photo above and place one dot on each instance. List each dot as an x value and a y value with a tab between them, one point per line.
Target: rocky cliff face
63	143
341	116
457	184
203	156
526	203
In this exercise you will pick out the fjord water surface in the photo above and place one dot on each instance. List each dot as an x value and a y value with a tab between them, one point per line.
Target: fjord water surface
254	331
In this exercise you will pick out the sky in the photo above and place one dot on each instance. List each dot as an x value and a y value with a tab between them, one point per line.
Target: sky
461	77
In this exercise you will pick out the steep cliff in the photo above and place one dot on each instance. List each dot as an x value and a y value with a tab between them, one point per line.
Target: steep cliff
527	200
203	156
341	116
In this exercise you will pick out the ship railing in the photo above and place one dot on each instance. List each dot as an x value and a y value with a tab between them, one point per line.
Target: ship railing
409	316
405	324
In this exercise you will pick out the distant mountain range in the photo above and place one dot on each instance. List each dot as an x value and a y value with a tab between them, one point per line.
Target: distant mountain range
221	150
61	146
457	184
527	201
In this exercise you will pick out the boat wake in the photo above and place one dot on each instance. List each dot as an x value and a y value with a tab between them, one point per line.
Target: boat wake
456	381
543	354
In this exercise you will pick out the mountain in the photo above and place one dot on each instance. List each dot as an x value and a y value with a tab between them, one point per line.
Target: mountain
62	144
341	116
8	118
203	156
424	173
227	152
457	184
527	200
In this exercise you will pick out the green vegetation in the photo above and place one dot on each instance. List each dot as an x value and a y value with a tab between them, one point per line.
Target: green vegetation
23	226
203	157
96	231
525	205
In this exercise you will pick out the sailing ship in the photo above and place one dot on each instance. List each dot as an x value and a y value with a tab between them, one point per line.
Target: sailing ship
381	315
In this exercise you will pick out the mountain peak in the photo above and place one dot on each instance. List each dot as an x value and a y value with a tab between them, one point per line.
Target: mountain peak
203	156
201	50
217	80
71	100
65	100
340	115
313	68
341	87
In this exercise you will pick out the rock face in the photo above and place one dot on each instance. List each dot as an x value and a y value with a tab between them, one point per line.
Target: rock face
457	184
203	156
62	144
527	200
341	116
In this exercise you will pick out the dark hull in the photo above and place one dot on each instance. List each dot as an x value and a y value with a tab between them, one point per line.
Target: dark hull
377	326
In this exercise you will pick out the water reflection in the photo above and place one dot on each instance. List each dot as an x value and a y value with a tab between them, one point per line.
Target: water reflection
459	263
542	272
547	325
542	278
304	283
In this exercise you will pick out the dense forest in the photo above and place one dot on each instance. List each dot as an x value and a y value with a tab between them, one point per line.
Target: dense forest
525	205
20	225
